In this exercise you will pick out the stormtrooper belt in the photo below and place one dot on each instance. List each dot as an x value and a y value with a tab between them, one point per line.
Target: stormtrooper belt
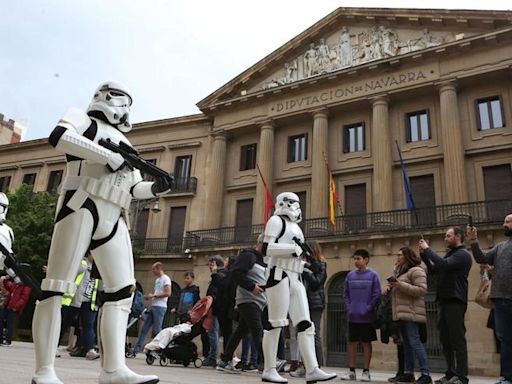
87	186
282	264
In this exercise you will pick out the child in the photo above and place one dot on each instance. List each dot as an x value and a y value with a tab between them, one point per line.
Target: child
189	295
362	292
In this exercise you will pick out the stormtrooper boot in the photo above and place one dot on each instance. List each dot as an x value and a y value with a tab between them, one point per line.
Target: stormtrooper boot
269	346
46	331
306	341
114	318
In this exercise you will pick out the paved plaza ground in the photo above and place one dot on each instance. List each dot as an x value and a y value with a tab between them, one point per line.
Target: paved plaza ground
17	365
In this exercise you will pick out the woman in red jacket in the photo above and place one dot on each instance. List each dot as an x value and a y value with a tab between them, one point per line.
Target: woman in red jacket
15	302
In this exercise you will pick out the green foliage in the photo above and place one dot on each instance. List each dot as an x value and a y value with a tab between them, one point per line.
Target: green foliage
31	217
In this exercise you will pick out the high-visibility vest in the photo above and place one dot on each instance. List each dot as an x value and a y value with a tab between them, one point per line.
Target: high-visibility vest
67	298
94	294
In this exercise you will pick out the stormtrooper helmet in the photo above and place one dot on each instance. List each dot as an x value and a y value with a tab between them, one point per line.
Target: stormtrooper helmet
287	204
4	205
112	101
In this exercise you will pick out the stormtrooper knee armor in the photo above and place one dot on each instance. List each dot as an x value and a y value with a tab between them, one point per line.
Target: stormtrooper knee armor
94	196
285	292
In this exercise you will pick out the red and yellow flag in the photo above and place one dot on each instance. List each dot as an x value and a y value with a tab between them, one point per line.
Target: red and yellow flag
333	196
269	202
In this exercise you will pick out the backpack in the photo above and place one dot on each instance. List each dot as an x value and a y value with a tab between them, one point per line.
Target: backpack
137	304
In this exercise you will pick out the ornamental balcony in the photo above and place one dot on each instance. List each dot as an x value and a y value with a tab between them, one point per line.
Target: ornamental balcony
391	223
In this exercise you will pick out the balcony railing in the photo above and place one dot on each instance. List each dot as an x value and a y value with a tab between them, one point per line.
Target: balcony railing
441	216
185	185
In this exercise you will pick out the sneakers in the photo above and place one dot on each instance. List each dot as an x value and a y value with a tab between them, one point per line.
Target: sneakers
227	367
350	375
78	353
365	376
406	378
251	367
299	372
502	380
457	380
394	378
57	353
6	343
209	363
424	379
280	365
92	355
443	380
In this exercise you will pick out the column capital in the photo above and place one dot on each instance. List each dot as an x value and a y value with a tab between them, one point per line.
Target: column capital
447	85
219	135
382	99
319	113
268	124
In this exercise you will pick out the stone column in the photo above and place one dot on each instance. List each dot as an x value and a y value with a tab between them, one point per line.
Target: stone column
266	164
382	160
453	147
215	182
319	174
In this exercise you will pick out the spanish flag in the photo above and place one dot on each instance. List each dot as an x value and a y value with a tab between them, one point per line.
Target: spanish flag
333	198
269	202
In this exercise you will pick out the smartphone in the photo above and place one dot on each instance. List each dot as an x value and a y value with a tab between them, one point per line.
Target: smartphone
470	220
391	279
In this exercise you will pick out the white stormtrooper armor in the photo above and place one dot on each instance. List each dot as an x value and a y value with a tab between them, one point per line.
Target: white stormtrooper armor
286	295
6	234
94	195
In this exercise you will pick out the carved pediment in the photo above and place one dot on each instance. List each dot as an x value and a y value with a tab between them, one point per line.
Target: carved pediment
354	46
352	37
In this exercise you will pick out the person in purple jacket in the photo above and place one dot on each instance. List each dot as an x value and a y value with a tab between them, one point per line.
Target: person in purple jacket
362	292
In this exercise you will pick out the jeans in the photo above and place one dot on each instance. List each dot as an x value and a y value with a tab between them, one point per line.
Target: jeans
69	315
87	316
316	316
502	322
452	332
9	316
213	338
248	346
413	346
250	322
154	319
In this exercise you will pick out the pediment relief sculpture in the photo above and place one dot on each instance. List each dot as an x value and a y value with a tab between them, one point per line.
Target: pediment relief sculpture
379	42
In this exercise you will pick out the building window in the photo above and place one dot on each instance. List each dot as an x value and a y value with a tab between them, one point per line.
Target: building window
5	181
298	148
182	167
353	138
247	157
29	178
54	181
145	176
490	113
418	127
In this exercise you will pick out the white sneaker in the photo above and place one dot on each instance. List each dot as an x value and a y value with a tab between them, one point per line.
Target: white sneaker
280	365
318	375
299	372
92	355
348	376
57	353
365	376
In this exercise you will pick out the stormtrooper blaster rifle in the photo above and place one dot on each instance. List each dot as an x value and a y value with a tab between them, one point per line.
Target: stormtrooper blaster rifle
311	262
18	271
132	157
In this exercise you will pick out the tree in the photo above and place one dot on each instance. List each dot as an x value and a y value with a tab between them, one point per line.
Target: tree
31	217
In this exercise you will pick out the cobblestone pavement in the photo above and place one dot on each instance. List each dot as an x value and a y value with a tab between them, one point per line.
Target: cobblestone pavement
17	366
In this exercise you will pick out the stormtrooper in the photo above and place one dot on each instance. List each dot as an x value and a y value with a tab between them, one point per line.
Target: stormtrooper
94	198
286	295
6	235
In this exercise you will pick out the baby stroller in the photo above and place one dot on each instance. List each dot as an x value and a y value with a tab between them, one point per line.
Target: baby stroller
137	312
174	344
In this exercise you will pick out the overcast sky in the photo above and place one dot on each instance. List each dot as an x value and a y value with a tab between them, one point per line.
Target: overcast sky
170	53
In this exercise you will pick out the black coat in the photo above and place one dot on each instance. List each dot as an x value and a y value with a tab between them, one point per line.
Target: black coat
453	270
314	283
216	289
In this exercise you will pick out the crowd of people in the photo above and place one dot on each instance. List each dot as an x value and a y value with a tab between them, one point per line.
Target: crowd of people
396	305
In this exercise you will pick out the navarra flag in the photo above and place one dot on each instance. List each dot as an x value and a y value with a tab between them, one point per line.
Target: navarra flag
269	202
407	184
333	198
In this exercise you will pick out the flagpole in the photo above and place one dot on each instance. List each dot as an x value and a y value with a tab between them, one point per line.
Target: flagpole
407	186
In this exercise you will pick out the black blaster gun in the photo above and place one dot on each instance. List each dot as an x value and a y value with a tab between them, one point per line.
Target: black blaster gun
132	157
312	263
19	272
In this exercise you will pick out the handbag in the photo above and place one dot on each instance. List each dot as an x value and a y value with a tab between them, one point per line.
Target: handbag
482	297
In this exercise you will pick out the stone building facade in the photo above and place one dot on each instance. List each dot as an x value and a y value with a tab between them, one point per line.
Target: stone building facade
347	91
10	132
